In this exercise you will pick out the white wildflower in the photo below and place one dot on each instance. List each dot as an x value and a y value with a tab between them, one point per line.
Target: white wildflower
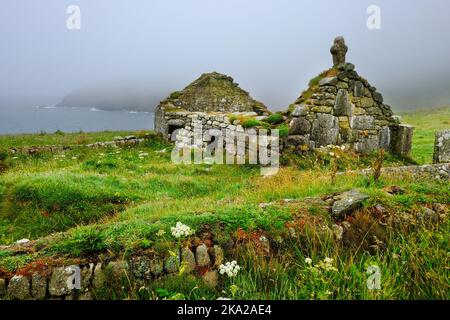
231	269
328	260
308	260
160	233
181	230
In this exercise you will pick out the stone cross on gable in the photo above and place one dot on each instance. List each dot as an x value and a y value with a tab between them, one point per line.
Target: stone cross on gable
339	50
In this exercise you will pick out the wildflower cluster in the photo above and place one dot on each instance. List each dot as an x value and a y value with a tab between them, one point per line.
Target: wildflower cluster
229	268
181	230
325	265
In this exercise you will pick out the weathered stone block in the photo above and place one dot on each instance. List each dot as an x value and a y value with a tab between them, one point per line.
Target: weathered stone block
346	202
367	144
172	264
188	259
60	280
329	81
325	129
343	106
401	139
299	126
385	138
358	90
442	147
38	286
99	277
140	266
362	122
378	97
367	102
19	288
300	110
202	255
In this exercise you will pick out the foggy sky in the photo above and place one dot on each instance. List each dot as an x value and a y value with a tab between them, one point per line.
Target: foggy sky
270	47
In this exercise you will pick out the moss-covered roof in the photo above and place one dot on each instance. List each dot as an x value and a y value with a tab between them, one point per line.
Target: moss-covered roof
213	92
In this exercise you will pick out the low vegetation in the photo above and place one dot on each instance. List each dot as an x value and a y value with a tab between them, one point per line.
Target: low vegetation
111	202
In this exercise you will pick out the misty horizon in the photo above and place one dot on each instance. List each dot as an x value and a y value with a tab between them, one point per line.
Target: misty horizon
143	51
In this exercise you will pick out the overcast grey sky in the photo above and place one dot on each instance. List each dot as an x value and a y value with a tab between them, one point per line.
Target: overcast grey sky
271	47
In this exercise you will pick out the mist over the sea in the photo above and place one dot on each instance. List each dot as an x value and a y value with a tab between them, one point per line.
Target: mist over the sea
132	54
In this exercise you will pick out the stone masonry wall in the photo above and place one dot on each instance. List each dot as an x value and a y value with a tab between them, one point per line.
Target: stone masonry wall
114	278
342	108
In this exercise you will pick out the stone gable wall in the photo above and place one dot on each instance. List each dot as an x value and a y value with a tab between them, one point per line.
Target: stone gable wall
342	108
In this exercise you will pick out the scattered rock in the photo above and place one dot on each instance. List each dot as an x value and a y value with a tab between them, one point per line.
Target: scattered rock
440	208
346	202
394	190
22	241
428	216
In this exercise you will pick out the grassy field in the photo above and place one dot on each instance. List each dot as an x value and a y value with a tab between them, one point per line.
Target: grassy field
426	123
113	201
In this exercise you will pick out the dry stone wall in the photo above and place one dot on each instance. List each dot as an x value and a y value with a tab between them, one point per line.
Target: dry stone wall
342	108
114	278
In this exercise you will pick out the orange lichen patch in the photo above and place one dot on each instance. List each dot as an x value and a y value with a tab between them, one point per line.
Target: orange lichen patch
44	266
5	274
202	270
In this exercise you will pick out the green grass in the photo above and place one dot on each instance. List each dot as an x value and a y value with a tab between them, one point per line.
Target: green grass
426	123
114	201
